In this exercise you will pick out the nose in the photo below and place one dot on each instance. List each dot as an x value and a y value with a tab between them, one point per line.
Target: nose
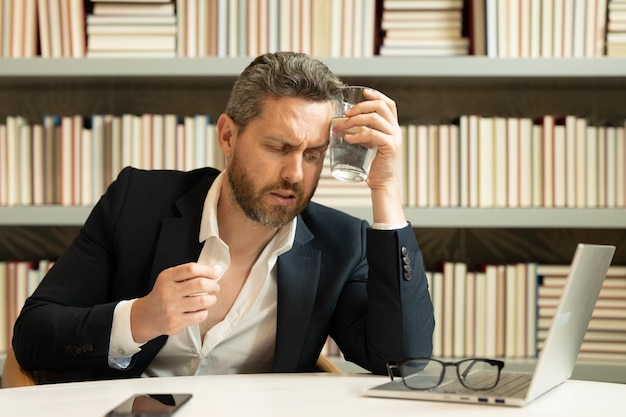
292	169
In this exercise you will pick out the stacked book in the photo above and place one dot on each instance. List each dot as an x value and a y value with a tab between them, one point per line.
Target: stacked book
235	28
506	310
486	312
490	162
482	162
139	29
70	160
18	29
606	334
616	29
423	28
548	28
18	279
50	28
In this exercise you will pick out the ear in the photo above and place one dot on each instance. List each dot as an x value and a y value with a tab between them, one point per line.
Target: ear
226	135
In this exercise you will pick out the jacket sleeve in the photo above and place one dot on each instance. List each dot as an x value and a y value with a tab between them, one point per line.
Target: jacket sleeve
65	325
390	317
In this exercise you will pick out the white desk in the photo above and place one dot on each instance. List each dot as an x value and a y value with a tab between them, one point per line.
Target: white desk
299	395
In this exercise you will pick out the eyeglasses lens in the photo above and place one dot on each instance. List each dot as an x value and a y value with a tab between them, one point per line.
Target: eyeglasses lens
478	374
421	373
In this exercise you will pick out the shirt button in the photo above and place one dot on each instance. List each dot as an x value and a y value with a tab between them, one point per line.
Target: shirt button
121	352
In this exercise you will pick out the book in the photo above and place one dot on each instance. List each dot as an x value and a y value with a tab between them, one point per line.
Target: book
123	30
470	312
486	165
102	42
491	310
449	297
460	297
423	169
621	166
437	295
560	166
422	4
25	172
130	20
549	122
4	311
77	32
38	165
43	21
473	135
513	157
4	165
432	134
111	8
477	27
591	162
444	166
501	152
480	332
512	301
464	161
525	162
455	155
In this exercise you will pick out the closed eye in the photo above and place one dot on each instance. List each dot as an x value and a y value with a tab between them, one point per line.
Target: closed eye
313	155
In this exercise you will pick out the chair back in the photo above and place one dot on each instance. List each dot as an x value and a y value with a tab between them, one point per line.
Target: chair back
13	375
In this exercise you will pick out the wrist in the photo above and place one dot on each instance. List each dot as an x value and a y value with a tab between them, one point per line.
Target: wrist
387	206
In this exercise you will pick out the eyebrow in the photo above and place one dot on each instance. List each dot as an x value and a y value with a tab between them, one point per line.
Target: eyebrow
284	142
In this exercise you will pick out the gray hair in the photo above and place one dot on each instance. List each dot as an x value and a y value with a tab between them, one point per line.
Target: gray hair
280	74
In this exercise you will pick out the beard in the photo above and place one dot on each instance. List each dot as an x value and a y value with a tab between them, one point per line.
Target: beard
251	201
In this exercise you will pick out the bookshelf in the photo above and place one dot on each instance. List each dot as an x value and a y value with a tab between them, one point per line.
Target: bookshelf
427	90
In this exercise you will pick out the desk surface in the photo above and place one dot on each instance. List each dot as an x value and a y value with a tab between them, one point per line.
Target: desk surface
292	395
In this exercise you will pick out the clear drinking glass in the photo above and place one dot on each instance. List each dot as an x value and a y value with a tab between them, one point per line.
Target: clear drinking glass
349	162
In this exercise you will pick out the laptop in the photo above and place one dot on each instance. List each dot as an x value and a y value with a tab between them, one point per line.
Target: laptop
558	357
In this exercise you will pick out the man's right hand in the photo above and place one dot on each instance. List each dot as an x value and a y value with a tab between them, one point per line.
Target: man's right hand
179	299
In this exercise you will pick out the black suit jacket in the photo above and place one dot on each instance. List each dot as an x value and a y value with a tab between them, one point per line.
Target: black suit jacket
365	288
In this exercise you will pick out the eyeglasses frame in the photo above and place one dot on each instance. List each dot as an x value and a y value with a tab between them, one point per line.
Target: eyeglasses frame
494	362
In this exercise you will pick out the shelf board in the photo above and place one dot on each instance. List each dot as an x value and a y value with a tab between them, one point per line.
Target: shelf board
43	215
406	67
507	218
419	217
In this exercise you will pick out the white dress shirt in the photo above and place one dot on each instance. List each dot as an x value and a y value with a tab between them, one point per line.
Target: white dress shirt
241	343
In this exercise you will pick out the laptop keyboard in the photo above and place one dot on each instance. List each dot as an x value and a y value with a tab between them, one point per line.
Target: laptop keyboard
510	384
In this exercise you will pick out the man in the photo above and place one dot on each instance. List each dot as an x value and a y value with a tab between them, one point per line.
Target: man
183	273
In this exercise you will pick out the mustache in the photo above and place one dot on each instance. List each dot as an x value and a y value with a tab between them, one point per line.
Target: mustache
285	185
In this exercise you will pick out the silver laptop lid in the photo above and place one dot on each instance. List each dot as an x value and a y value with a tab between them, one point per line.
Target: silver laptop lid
569	325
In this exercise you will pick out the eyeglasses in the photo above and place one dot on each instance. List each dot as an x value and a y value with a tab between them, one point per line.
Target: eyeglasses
427	373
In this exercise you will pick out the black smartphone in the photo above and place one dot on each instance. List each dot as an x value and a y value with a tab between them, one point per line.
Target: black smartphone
150	405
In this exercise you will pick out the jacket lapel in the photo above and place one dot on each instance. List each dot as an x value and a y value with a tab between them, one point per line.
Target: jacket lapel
178	240
298	279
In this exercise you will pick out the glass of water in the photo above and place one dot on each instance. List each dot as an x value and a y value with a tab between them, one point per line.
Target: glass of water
349	162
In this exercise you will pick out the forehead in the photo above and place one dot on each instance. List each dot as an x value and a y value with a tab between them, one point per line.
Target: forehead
294	120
